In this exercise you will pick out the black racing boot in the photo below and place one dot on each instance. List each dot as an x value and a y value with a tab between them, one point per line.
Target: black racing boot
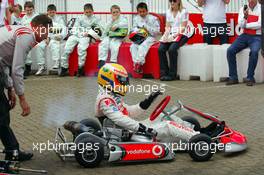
27	70
16	155
80	72
63	72
101	64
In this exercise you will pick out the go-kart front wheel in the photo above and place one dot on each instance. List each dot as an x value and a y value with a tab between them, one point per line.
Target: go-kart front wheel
89	152
201	148
193	121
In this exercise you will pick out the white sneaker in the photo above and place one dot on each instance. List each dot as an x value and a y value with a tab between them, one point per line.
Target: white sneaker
56	65
41	70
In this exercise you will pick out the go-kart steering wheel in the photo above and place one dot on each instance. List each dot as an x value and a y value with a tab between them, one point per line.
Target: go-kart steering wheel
162	105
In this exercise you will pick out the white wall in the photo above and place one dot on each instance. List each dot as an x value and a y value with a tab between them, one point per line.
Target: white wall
99	5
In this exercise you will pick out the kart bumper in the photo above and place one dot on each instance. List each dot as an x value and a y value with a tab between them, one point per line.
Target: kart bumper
235	147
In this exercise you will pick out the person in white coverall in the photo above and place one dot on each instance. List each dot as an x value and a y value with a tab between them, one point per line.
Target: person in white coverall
113	81
80	36
151	24
109	42
26	20
57	34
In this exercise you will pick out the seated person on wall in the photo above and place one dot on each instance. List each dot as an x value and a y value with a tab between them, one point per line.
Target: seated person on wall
15	17
29	9
116	30
249	20
81	37
56	35
145	28
175	36
214	18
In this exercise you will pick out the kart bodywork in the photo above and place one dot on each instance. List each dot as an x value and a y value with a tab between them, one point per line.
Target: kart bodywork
108	142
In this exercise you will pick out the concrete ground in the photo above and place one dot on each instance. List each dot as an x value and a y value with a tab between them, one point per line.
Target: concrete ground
54	100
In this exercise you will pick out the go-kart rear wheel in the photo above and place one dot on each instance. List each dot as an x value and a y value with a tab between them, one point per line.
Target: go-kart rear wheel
89	152
92	123
201	148
194	121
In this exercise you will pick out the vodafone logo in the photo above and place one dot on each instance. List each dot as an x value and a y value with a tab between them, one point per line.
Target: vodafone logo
157	150
140	151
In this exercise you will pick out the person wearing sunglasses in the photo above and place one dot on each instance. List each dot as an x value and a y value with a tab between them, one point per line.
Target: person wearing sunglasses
214	18
175	36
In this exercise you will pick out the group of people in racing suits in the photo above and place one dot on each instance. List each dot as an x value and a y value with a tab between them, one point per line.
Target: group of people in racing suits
111	36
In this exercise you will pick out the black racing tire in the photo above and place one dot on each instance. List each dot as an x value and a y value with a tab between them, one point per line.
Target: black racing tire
201	148
92	123
89	152
194	121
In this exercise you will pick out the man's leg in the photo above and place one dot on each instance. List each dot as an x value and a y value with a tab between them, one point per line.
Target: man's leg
164	66
173	56
55	52
115	44
144	48
82	50
207	36
170	130
223	33
134	52
103	51
69	46
254	44
239	44
40	48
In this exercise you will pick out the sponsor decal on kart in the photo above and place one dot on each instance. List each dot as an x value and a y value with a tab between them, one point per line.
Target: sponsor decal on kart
150	151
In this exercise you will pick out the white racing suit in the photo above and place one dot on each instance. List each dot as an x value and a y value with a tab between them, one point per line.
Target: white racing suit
151	23
113	107
55	41
26	20
114	43
82	25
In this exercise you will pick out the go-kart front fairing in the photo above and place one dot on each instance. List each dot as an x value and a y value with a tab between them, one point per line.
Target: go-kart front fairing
233	140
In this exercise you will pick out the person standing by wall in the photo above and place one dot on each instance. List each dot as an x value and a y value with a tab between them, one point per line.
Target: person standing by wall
214	18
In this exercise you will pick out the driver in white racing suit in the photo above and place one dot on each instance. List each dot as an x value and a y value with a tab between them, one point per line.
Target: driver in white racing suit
116	30
150	23
56	35
81	37
113	81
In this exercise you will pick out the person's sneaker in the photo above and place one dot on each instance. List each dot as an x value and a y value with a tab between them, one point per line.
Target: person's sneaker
167	78
245	80
27	70
80	72
24	156
231	82
21	156
250	82
101	64
63	72
138	68
56	65
42	69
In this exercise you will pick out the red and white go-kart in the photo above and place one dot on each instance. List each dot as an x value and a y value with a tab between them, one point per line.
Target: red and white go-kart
94	142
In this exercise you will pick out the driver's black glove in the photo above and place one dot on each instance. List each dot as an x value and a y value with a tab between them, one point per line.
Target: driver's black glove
145	104
148	131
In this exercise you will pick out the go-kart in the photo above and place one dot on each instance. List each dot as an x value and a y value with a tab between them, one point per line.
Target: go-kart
94	142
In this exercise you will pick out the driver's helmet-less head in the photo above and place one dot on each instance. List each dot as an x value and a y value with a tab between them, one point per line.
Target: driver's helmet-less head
114	78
